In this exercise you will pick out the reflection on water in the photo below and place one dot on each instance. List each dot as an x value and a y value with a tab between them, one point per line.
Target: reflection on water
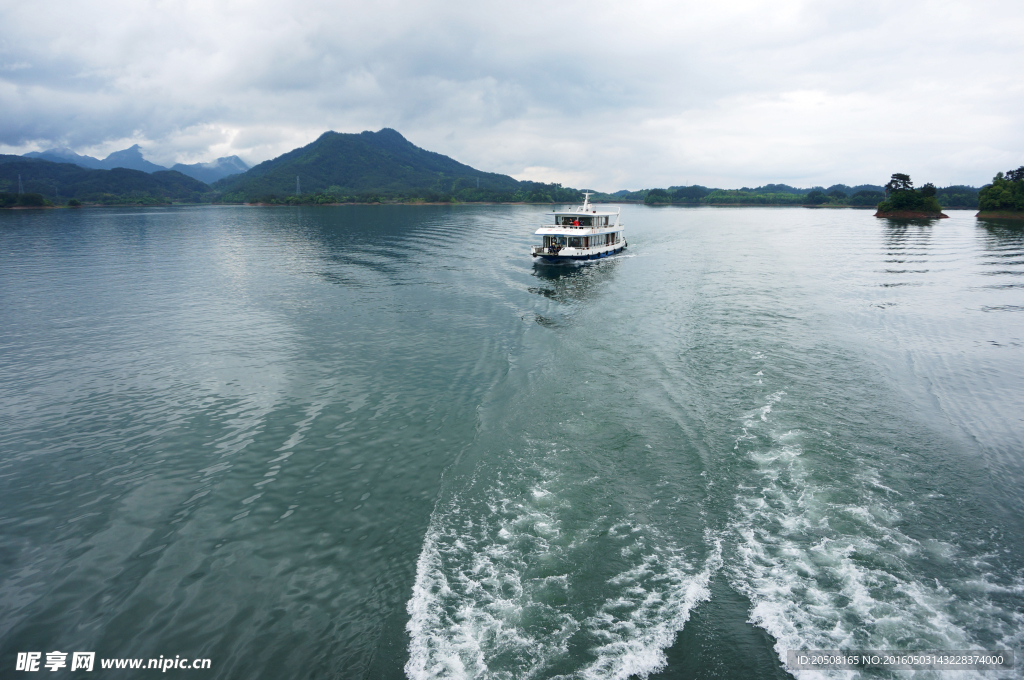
573	282
906	252
1003	241
1004	230
1003	257
217	408
895	223
241	433
568	284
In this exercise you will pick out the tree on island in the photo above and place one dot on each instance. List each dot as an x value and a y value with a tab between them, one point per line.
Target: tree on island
902	197
1005	194
899	182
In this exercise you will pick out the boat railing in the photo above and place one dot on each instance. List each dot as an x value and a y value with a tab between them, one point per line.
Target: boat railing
554	250
581	230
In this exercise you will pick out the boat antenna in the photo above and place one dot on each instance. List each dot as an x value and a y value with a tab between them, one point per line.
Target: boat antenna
586	202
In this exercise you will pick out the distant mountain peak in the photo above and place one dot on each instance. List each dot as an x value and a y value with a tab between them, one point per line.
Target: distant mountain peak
384	134
62	151
390	132
212	171
64	154
132	159
382	162
134	151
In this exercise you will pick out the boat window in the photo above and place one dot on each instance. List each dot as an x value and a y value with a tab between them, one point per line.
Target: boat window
574	242
576	220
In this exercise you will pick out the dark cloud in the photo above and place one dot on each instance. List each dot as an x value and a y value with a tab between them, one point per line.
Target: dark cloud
603	94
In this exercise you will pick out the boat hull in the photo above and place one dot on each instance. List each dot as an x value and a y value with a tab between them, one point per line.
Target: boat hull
578	258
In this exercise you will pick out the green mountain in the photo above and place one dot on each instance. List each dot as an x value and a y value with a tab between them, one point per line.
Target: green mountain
59	182
130	158
374	166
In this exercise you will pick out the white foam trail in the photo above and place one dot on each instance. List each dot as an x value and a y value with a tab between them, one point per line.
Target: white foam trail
476	600
824	573
637	639
494	598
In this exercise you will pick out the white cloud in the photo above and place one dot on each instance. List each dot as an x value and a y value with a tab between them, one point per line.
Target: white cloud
602	94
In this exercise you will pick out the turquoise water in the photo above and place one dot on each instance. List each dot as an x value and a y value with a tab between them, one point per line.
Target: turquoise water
381	442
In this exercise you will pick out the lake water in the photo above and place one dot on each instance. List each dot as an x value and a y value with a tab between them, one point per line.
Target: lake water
382	442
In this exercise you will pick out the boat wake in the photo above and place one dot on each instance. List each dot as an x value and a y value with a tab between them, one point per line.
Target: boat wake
518	585
526	572
827	562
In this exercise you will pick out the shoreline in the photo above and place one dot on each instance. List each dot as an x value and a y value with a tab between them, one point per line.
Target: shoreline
1000	215
895	215
911	215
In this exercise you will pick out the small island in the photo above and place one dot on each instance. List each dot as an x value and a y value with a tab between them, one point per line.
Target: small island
903	201
1004	198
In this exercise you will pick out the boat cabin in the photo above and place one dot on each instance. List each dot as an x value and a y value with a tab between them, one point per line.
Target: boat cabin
583	233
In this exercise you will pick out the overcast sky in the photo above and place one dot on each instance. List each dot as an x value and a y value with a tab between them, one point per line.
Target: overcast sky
605	95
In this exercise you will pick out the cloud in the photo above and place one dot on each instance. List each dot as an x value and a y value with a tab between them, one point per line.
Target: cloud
600	93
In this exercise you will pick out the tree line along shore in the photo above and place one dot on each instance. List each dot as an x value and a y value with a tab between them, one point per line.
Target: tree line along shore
383	167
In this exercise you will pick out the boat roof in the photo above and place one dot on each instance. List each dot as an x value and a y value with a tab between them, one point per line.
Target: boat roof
555	230
586	208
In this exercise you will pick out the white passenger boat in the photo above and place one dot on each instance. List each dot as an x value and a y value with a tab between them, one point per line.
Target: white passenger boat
583	233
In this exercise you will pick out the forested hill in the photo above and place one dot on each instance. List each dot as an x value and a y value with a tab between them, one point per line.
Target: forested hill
377	166
837	195
58	182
